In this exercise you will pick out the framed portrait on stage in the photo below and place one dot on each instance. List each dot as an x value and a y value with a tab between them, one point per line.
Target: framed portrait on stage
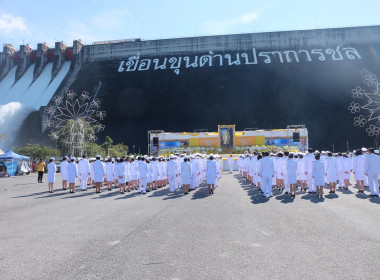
226	136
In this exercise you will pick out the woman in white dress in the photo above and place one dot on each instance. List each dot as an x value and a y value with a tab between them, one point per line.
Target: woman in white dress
211	174
186	175
149	178
318	174
120	171
72	174
52	169
358	170
291	166
345	168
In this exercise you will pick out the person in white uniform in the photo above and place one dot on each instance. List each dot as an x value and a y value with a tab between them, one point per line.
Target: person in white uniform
345	169
64	172
186	175
52	169
109	173
121	174
84	170
211	174
291	168
301	177
331	173
358	170
267	174
231	163
372	170
309	158
171	170
99	173
318	174
143	170
72	174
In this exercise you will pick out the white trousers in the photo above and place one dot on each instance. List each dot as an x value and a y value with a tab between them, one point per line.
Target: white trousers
231	167
373	183
142	184
83	181
266	185
193	184
172	183
310	183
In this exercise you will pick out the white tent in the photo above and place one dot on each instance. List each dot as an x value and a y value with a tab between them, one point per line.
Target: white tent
1	152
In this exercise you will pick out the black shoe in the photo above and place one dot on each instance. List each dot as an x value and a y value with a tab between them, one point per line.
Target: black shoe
286	192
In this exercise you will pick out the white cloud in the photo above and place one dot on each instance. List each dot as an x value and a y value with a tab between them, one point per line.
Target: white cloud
10	23
111	19
224	25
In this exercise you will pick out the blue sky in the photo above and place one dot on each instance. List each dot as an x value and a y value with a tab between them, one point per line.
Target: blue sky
25	21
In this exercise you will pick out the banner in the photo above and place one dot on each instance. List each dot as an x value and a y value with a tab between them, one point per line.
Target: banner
226	136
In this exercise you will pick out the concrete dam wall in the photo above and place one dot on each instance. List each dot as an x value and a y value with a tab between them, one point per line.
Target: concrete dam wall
325	79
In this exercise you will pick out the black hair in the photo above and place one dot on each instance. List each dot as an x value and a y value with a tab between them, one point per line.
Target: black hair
291	155
358	152
371	150
50	160
300	156
286	154
329	154
310	150
317	156
259	157
84	156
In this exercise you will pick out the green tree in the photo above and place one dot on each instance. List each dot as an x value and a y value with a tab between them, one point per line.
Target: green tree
107	144
93	149
118	150
35	151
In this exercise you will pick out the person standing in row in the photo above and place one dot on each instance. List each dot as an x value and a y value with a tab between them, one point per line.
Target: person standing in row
345	169
143	170
309	158
99	173
186	175
84	170
331	173
40	169
171	170
121	169
72	174
318	174
52	169
358	170
109	173
64	172
211	174
231	163
291	171
267	174
372	170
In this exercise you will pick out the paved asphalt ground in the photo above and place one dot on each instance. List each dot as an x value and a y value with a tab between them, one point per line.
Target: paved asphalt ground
233	234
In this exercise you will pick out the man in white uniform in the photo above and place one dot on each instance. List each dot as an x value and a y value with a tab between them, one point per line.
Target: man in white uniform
143	170
84	170
372	170
231	163
309	158
267	174
171	170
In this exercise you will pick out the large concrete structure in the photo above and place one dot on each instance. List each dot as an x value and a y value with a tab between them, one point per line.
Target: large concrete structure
325	79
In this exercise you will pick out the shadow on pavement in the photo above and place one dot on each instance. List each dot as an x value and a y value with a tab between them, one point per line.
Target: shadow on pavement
106	193
313	198
285	198
38	193
200	192
127	195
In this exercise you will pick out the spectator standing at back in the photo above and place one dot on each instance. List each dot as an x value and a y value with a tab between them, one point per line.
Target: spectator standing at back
40	169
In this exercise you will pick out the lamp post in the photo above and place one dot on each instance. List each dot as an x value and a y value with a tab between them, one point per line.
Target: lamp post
133	149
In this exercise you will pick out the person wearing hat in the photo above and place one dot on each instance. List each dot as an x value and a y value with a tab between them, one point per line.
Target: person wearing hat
99	173
345	169
211	174
231	163
372	170
72	174
171	170
331	166
194	172
64	172
301	177
309	158
40	169
143	171
133	170
358	170
84	170
186	173
318	174
267	174
291	168
121	170
110	168
52	169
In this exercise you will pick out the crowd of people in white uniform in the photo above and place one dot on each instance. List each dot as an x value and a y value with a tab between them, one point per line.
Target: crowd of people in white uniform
143	173
311	171
286	171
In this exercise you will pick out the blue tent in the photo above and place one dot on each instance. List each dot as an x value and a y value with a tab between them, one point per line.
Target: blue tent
11	159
